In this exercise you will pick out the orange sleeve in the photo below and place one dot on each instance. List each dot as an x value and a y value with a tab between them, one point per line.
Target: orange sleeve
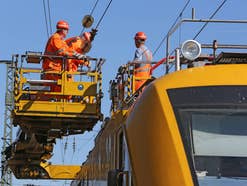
71	40
62	47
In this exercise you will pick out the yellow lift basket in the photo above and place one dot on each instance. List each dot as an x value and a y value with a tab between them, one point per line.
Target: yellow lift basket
73	110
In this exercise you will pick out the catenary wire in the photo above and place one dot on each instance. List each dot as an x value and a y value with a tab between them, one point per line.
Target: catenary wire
178	17
91	13
46	21
215	12
211	17
101	18
103	14
49	14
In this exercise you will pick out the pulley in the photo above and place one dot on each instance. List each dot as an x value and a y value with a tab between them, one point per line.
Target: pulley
87	21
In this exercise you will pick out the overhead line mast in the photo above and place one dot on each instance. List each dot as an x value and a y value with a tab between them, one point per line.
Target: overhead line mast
6	176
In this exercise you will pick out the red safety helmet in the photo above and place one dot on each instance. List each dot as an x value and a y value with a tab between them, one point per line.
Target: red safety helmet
87	36
62	25
140	36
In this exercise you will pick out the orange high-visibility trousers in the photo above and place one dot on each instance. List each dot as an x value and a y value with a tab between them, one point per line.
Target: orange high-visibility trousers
143	73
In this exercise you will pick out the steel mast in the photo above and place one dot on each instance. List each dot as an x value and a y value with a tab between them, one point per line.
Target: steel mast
6	175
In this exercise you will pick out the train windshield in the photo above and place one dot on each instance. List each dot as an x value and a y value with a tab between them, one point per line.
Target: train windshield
213	124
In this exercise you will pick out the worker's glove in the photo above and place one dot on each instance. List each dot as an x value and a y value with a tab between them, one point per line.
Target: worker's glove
79	56
87	64
93	33
76	55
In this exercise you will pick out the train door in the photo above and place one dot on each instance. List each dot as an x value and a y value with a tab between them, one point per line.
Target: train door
121	176
127	165
121	151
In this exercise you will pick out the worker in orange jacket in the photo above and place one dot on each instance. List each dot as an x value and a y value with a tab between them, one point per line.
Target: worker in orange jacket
56	46
142	54
81	45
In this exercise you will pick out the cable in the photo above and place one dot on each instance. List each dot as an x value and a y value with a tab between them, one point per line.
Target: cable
215	12
88	140
178	17
65	145
74	145
45	19
62	153
93	33
91	13
103	14
49	13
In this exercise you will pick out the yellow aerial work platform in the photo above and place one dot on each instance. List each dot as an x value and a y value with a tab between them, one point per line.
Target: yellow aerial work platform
28	157
46	171
72	110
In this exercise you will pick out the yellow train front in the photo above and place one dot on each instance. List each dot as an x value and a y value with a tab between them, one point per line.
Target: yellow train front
186	128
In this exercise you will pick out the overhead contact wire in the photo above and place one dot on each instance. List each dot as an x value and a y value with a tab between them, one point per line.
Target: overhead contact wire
178	17
49	13
47	31
103	14
215	12
211	17
91	13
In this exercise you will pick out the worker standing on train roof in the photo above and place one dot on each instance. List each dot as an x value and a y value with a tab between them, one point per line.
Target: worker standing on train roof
142	54
56	46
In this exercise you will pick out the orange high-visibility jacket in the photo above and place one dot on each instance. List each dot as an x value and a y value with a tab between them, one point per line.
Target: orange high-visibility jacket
56	46
142	54
77	44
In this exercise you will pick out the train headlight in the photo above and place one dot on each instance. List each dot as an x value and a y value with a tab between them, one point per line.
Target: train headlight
191	49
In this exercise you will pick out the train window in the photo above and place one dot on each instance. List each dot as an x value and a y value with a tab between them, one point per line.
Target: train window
219	134
120	151
123	163
213	125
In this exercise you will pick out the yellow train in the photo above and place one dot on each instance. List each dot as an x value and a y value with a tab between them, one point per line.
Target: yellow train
186	128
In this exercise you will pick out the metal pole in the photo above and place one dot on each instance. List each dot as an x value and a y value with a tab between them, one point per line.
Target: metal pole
167	54
177	54
174	28
193	13
6	176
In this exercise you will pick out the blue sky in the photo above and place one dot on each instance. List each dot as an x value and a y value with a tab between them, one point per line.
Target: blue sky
23	29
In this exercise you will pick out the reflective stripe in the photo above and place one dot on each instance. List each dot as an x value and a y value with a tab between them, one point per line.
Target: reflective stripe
142	70
146	53
60	50
54	53
142	54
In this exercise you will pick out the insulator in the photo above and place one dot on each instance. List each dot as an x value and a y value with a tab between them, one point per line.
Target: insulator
74	145
65	145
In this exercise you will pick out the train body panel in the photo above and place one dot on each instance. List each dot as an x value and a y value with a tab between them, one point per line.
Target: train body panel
160	150
153	138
